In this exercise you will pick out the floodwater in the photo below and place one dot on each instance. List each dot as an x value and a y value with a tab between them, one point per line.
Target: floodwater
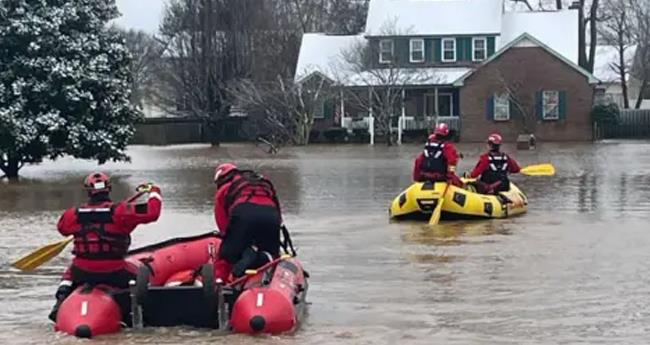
574	269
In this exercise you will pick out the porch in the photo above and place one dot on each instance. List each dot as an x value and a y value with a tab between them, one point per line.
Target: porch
419	110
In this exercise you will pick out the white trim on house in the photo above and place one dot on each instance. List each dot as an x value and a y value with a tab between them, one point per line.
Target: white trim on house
381	50
485	48
411	50
442	49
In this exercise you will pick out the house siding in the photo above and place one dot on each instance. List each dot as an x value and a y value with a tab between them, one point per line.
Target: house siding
532	69
432	51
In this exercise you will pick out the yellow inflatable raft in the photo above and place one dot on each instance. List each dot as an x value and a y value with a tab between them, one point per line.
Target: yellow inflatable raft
420	199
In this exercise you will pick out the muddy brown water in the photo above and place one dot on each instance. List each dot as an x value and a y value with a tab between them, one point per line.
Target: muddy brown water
574	269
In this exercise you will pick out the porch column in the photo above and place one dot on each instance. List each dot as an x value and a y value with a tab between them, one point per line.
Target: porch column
402	120
342	110
435	104
371	119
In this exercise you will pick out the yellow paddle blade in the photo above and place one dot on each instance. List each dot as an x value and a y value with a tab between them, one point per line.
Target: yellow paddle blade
539	170
435	216
41	255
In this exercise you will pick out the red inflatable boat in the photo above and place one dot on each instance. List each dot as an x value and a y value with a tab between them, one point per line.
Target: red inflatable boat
270	299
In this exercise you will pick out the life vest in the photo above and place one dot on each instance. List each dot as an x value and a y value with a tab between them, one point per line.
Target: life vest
93	241
497	169
248	185
434	159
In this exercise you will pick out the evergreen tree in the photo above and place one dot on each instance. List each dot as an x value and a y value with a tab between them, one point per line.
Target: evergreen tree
64	83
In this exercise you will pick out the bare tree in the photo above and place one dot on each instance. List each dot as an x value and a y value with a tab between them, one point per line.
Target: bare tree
521	100
376	86
525	2
146	52
589	17
617	32
285	109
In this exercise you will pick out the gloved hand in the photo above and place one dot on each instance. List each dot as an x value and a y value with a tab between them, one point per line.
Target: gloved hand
63	292
145	187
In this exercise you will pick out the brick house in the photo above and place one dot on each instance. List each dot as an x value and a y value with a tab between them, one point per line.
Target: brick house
483	69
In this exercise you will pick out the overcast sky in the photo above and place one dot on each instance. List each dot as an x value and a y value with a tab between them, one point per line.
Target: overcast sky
140	14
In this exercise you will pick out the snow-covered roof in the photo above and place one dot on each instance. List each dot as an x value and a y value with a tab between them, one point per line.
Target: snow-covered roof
408	76
556	29
320	53
434	17
605	57
527	40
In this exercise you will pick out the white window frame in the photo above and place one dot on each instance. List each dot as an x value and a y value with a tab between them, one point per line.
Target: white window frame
555	115
442	49
479	39
412	50
381	50
500	107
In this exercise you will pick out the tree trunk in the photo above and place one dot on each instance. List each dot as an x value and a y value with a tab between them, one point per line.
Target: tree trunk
639	100
558	4
593	35
582	40
214	131
622	74
10	168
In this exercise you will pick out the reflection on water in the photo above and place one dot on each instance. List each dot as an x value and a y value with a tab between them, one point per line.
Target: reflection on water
574	269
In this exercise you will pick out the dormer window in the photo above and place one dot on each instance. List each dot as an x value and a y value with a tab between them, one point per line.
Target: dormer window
479	49
417	50
448	50
385	51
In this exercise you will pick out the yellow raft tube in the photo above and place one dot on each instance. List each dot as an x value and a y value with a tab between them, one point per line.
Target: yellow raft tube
420	199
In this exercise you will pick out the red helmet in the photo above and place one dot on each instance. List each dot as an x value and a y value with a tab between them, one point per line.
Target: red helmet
222	171
442	129
97	182
495	138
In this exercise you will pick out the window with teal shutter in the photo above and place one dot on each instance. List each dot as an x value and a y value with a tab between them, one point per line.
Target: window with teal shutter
550	105
562	105
490	109
449	50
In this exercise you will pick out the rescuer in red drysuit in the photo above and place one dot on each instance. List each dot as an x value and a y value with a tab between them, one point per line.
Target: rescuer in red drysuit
101	230
493	168
247	212
438	161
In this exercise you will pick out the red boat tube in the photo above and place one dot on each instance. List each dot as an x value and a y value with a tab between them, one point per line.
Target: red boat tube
93	311
88	312
273	307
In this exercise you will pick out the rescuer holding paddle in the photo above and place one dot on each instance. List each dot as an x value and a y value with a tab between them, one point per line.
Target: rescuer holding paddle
438	161
101	230
493	167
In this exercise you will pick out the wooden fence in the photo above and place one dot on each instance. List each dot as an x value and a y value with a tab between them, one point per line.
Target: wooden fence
632	124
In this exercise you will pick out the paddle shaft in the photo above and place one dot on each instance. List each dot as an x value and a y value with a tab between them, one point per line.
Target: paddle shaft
437	212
